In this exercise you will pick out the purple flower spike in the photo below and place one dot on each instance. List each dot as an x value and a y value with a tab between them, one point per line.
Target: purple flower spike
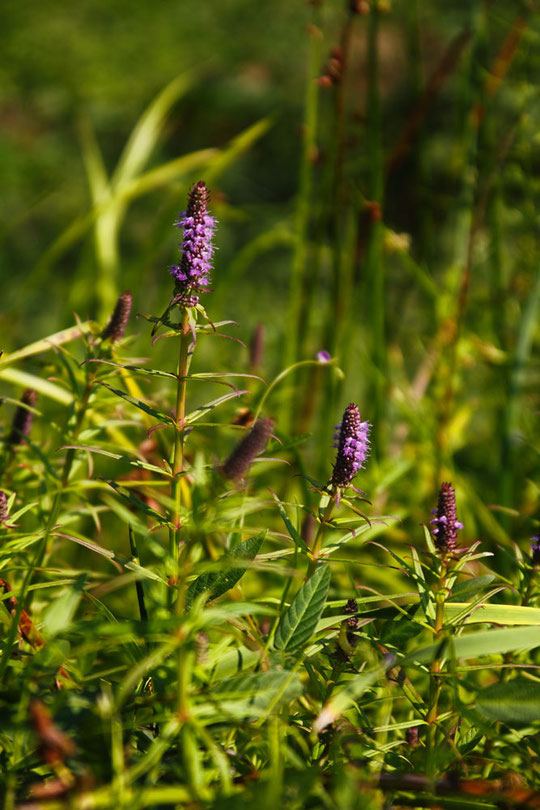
535	550
192	275
445	523
352	442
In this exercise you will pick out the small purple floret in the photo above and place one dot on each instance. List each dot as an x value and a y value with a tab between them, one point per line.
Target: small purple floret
535	550
192	275
352	442
324	356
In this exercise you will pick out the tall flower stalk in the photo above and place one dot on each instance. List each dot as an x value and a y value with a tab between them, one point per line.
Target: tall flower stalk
192	277
352	442
445	528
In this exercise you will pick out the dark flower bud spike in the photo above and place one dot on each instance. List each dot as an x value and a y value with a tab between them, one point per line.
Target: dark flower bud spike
248	449
119	319
22	421
445	522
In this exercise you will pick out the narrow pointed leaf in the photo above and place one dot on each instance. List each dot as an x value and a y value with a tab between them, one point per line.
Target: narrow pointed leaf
142	406
47	343
474	645
203	409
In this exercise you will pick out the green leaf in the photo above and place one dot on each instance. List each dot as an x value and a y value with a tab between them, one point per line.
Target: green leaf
44	387
298	624
47	343
259	691
132	499
233	662
344	698
474	645
296	536
470	587
135	462
148	129
142	406
515	702
60	612
496	614
220	582
203	409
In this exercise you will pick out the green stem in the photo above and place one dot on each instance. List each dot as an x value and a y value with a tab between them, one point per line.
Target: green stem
317	543
178	457
435	671
182	561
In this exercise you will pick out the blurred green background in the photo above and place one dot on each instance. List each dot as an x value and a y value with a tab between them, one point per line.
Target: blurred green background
431	311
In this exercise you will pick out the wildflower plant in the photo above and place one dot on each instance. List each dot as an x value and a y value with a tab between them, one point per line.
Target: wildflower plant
217	623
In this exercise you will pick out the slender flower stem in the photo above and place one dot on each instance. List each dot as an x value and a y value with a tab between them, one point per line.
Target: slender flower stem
435	671
181	560
317	543
178	456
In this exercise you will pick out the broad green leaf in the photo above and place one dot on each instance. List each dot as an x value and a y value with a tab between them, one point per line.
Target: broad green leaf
298	623
60	611
233	662
515	702
218	583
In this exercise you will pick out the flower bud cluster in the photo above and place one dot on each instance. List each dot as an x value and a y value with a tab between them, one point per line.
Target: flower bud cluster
192	275
445	523
352	442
